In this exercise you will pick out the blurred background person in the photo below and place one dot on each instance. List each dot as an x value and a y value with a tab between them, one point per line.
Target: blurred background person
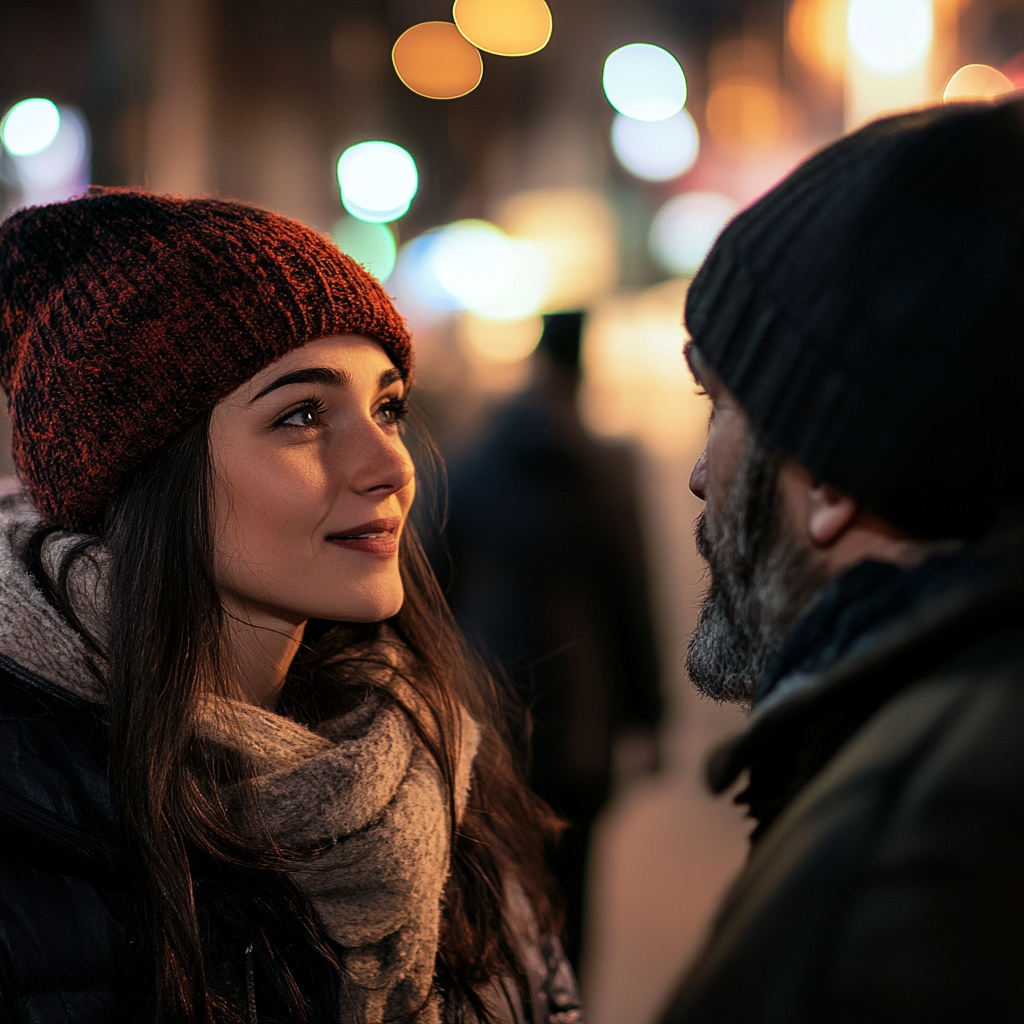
548	575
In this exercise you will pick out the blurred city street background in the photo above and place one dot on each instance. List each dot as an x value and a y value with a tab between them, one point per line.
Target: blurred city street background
493	164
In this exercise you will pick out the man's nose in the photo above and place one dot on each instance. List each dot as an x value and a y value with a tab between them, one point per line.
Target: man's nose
699	475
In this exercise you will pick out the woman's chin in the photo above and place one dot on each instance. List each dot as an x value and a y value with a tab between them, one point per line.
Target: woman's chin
374	607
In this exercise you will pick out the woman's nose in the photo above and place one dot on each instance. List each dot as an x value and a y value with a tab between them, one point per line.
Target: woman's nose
384	466
699	475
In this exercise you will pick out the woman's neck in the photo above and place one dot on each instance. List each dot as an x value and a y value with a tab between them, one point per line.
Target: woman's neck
260	648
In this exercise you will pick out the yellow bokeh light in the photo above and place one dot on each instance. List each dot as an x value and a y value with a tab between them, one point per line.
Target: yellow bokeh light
577	231
499	341
744	114
435	60
976	82
817	35
635	380
509	28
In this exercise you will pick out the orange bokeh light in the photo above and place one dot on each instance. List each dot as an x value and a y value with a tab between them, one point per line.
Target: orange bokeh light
435	60
817	35
744	114
509	28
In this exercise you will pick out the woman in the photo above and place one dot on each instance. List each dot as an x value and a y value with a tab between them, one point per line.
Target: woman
248	770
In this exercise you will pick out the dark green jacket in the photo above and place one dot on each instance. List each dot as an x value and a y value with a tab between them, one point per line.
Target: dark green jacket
886	878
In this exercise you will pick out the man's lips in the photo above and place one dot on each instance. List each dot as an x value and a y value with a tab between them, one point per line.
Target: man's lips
377	537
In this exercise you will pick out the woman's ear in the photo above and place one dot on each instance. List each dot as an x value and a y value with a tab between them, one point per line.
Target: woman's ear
829	513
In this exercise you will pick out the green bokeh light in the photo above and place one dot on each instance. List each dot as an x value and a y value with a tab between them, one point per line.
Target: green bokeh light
371	245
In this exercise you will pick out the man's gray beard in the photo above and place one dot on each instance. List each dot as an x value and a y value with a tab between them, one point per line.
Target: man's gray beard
760	583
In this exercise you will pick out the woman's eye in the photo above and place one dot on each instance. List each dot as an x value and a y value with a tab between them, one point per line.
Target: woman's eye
393	410
309	415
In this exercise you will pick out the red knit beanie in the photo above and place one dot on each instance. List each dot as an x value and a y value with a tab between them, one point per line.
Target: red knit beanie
125	316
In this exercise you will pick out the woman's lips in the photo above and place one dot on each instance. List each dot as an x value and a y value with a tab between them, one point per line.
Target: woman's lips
377	537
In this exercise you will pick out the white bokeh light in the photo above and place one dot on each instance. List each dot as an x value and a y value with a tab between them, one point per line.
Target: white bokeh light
685	229
473	261
30	126
61	170
527	285
472	265
644	82
889	36
378	181
61	161
656	150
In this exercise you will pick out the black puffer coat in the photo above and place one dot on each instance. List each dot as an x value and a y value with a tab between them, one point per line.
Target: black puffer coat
886	879
69	952
68	948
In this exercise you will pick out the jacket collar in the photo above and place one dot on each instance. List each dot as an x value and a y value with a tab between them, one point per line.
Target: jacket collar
834	702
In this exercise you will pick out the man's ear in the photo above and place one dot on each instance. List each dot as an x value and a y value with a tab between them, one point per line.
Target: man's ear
829	513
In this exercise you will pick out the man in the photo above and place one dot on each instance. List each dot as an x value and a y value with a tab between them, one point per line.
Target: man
860	332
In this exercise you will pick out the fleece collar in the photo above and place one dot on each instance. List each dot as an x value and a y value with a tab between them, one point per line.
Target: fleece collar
32	632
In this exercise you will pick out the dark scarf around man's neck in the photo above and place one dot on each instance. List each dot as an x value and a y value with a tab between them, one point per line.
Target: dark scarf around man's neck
854	607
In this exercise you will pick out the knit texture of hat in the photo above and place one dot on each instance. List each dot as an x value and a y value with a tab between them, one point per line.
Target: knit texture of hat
125	316
868	314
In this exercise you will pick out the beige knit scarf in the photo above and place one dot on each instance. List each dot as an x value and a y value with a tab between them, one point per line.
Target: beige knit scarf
362	786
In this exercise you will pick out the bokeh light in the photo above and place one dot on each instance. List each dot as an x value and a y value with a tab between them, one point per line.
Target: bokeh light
60	170
816	30
509	28
645	82
419	295
577	231
506	342
473	262
496	277
63	161
656	150
889	36
635	382
685	228
526	288
435	60
976	82
378	180
472	265
744	114
30	126
372	246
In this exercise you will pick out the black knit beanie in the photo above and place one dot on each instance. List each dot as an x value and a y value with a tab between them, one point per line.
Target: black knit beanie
868	314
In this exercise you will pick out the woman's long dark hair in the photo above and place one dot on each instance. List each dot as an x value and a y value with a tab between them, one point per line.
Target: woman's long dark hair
164	659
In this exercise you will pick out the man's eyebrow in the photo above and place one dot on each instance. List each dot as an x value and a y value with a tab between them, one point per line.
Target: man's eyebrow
325	376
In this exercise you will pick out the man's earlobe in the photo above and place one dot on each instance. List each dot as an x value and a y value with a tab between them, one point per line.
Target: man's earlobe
830	512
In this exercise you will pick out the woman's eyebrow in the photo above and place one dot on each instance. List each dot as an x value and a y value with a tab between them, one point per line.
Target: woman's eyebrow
325	376
389	377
